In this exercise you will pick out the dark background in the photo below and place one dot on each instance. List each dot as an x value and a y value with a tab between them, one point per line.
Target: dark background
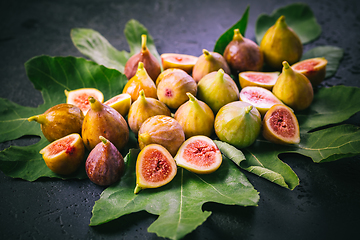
324	206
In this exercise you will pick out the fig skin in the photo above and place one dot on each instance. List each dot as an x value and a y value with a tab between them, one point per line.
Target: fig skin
281	118
151	64
195	117
155	167
258	79
176	60
104	164
120	103
314	69
162	130
141	80
209	62
280	43
102	120
293	89
80	97
243	54
217	89
143	108
60	121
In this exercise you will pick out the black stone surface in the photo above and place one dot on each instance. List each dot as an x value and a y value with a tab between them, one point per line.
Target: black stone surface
324	206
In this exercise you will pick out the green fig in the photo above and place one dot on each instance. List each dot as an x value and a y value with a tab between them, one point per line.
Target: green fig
280	43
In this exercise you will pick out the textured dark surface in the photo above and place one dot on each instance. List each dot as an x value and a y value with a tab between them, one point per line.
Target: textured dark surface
324	206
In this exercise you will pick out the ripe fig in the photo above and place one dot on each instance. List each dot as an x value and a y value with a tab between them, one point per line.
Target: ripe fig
65	155
176	60
120	103
243	54
209	62
155	167
260	79
162	130
173	87
164	73
151	64
60	121
195	117
80	97
105	164
238	123
102	120
280	43
281	126
141	80
199	154
314	69
217	89
293	88
143	108
259	97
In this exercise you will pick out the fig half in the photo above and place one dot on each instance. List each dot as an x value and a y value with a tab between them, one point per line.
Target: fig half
260	79
176	60
314	69
120	103
80	97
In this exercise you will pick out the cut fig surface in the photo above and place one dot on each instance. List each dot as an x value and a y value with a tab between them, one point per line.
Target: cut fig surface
120	103
261	79
79	97
176	60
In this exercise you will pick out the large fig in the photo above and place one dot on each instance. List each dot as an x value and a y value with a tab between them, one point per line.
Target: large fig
314	69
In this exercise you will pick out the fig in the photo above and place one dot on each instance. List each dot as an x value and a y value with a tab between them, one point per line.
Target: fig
176	60
162	130
293	88
59	121
151	64
280	43
280	125
238	123
143	108
195	117
259	97
65	155
173	87
209	62
102	120
199	154
314	69
243	54
80	97
155	167
141	80
217	89
104	165
260	79
120	103
164	73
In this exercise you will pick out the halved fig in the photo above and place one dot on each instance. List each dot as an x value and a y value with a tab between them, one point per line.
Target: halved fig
120	103
314	69
261	98
176	60
80	97
261	79
281	126
199	154
155	167
64	155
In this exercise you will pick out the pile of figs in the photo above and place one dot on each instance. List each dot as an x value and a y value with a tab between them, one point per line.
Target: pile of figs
176	112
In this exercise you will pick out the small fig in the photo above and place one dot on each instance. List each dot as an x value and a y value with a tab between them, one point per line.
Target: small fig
199	154
65	155
314	69
238	123
162	130
209	62
293	88
143	108
80	97
260	79
155	167
281	126
60	121
120	103
141	80
102	120
105	164
151	64
173	87
280	43
243	54
195	117
176	60
217	89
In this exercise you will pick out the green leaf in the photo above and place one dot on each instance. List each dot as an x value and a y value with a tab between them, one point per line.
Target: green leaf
226	37
179	203
299	17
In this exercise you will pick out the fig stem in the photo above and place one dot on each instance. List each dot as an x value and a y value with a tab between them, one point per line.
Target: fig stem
220	75
191	97
137	189
281	22
94	104
104	140
143	42
33	118
66	92
207	54
286	65
248	109
237	35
